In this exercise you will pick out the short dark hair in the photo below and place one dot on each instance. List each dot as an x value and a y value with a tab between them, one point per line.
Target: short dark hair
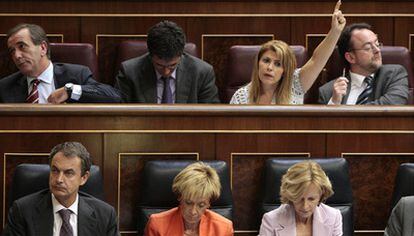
37	34
166	40
344	42
73	149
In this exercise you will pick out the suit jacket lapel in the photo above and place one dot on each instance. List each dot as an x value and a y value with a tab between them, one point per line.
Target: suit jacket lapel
58	77
87	222
183	84
21	91
319	224
148	82
43	218
287	224
378	85
348	90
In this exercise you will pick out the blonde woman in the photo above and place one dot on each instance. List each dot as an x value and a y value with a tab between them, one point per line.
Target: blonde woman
275	78
304	188
195	186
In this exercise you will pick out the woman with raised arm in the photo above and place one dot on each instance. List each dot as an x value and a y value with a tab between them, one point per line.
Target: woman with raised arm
275	78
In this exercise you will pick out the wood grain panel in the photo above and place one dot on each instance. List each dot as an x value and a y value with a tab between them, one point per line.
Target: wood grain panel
378	157
373	190
202	6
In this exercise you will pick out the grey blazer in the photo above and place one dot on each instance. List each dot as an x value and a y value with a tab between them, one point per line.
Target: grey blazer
401	221
32	215
13	88
195	81
390	87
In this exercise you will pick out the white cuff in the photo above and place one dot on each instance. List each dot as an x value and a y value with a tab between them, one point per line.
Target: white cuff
76	92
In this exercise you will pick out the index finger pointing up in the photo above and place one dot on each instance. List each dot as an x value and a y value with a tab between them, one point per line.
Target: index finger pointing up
338	5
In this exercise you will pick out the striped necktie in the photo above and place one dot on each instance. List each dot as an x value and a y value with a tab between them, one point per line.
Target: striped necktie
34	93
364	96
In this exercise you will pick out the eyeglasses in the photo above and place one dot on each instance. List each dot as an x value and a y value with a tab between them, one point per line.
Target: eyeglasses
369	47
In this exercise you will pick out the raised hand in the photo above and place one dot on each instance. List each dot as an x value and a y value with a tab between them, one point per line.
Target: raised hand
338	19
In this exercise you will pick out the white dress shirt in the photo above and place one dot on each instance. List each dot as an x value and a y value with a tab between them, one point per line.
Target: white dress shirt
47	85
357	87
57	223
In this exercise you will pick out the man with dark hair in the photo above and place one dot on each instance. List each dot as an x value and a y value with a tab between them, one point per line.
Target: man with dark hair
166	74
40	81
62	209
367	80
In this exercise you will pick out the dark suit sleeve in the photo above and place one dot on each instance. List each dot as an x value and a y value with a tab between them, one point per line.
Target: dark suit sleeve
124	85
16	223
394	226
395	91
325	93
112	229
92	91
208	92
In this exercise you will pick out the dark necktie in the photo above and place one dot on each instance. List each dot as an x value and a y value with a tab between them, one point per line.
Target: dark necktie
167	93
66	229
34	94
363	97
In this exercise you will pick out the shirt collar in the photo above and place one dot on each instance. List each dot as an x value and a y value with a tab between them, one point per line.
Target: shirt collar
57	206
358	79
173	75
46	76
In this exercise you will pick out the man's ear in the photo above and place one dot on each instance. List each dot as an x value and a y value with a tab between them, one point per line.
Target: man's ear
43	48
84	178
350	57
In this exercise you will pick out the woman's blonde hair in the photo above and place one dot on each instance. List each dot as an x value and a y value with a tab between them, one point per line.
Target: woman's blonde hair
297	179
284	86
197	180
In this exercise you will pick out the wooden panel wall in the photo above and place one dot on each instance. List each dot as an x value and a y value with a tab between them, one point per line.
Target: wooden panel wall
212	25
121	138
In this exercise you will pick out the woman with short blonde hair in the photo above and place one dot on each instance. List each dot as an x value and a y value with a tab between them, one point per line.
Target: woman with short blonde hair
304	188
299	177
195	186
198	180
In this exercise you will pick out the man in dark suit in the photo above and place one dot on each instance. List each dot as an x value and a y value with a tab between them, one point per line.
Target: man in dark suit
61	210
367	80
40	81
166	74
401	221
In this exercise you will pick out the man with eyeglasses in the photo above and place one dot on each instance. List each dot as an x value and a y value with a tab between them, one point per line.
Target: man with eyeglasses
367	80
166	74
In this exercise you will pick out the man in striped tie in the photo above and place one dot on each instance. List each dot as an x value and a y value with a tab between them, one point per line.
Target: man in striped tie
365	80
41	81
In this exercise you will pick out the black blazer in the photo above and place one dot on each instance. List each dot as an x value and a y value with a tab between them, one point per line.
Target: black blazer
32	215
195	81
13	88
